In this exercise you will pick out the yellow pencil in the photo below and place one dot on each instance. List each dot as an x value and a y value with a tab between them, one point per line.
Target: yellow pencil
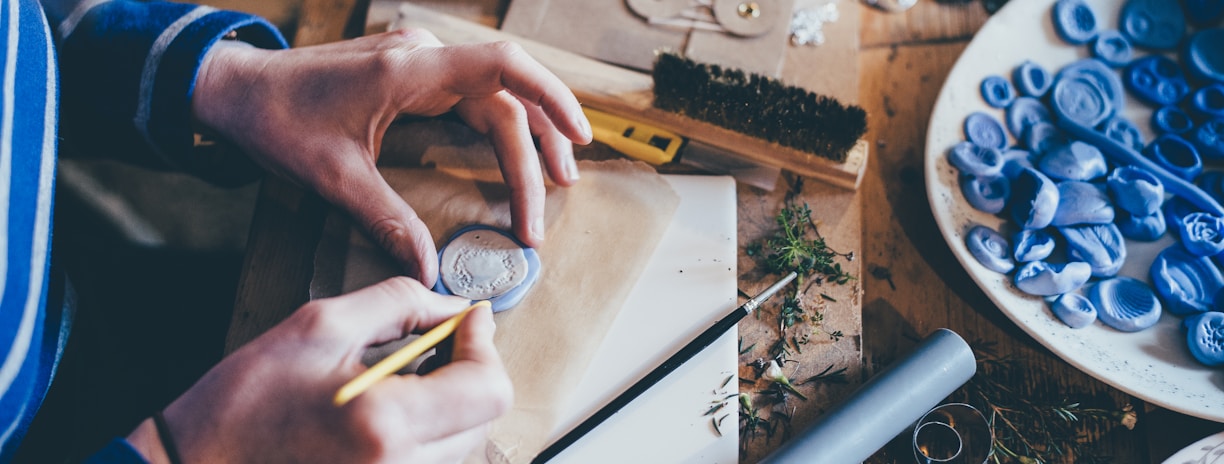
401	357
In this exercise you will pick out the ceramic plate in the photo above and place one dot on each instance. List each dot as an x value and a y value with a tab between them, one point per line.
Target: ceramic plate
1154	364
1209	450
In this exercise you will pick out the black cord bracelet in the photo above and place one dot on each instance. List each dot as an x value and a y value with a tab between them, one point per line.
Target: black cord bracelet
163	432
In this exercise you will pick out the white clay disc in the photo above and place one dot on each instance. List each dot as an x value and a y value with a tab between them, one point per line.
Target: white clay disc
481	264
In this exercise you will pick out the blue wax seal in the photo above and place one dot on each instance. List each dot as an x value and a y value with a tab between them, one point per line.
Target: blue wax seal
1188	284
1025	112
1135	190
1208	102
1205	337
1042	137
1080	101
1208	139
976	160
1032	245
1141	228
1156	80
989	248
1121	130
1074	161
1175	155
1158	24
1031	79
1082	203
1034	198
1074	21
481	262
1112	48
984	130
1204	12
1125	303
1100	245
1015	159
1075	310
1042	278
997	91
1175	209
1211	182
987	194
1171	120
1202	234
1100	75
1204	55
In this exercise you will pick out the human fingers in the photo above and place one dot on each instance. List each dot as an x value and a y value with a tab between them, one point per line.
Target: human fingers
503	119
384	311
557	150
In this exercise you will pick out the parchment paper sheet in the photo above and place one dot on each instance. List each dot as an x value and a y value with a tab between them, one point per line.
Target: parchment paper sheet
600	234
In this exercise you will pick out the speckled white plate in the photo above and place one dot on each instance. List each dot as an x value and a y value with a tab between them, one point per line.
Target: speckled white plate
1153	364
1209	450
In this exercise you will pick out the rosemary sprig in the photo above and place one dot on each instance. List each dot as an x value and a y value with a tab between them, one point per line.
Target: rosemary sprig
797	246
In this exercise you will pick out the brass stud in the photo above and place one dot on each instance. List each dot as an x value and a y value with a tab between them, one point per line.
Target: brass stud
749	10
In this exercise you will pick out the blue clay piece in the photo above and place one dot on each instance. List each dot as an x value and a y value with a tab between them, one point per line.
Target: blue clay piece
1112	48
1126	304
1158	24
1187	284
1142	228
1156	80
1034	198
1043	137
1031	79
1208	139
1100	75
1208	102
1100	245
1175	209
1078	100
990	248
1025	112
1211	182
513	296
1136	190
1075	22
1032	245
1074	161
1082	203
1047	279
1204	55
1175	155
1205	338
1075	310
1121	130
997	91
984	130
1204	12
987	194
1015	160
1171	120
975	160
1202	234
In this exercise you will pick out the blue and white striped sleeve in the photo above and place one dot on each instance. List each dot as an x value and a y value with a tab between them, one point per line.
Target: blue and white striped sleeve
128	72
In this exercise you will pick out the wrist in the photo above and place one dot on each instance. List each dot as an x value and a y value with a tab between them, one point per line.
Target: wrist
147	442
221	82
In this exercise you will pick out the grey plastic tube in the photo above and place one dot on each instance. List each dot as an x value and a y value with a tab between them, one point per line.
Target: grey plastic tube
885	406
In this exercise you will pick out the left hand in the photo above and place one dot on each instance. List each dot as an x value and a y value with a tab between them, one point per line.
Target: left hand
317	115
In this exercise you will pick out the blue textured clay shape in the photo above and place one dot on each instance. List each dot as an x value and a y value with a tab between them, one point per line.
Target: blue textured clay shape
1023	113
1042	137
1100	75
1082	203
501	301
1204	55
1079	100
1175	155
1208	139
1100	245
1126	304
1032	245
1175	209
1202	234
1188	284
1156	80
1211	182
1015	160
1124	132
1031	79
1158	24
1048	279
1034	199
976	160
1074	21
1136	190
1142	228
1208	101
990	248
997	91
1075	310
1112	48
1074	161
987	194
1205	337
1204	12
984	130
1171	120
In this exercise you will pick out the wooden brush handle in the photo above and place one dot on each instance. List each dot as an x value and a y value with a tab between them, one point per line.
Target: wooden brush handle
629	94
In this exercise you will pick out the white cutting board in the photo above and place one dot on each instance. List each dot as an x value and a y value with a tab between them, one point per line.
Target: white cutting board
689	284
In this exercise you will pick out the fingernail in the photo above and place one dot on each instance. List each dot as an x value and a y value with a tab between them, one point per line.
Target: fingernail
537	229
571	169
584	126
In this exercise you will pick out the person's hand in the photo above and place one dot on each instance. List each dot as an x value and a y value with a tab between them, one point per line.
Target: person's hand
317	115
271	401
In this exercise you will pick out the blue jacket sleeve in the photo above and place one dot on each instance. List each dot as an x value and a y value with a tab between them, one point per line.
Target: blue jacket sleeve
118	451
128	71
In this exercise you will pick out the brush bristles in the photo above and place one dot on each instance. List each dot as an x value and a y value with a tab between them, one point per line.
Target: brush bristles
758	106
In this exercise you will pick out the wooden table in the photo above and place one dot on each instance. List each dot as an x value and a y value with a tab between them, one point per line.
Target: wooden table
908	283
